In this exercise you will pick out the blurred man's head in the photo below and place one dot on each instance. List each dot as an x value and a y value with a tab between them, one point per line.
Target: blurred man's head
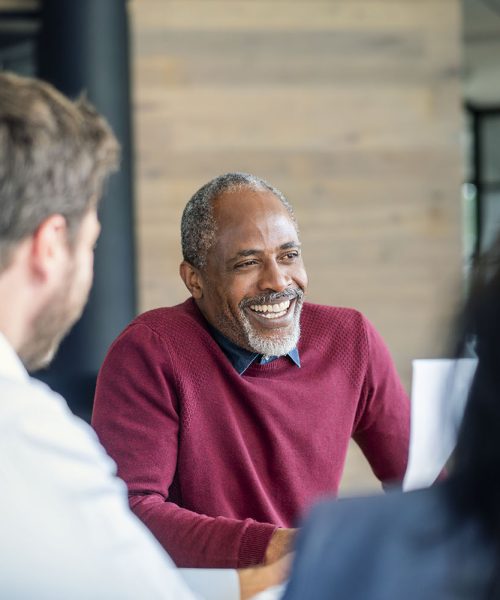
243	263
54	157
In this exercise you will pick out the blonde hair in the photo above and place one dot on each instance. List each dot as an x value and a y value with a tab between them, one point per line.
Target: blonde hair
55	155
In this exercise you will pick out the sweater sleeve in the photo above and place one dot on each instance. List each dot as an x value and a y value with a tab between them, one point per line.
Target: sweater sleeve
382	425
136	416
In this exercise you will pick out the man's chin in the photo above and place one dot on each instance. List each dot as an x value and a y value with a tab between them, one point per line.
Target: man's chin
275	336
42	353
39	360
273	345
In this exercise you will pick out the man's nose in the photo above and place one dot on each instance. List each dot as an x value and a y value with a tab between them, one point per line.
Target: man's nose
274	277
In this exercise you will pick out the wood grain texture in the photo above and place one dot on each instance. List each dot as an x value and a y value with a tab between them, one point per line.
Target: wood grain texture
351	107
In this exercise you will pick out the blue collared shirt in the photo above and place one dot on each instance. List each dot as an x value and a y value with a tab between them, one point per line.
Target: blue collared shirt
240	358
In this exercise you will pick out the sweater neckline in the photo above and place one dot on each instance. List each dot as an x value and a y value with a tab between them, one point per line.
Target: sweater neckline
280	365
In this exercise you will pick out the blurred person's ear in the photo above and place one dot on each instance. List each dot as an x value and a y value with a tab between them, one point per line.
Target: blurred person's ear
49	247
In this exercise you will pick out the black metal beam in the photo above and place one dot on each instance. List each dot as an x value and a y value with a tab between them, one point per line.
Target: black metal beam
478	113
84	48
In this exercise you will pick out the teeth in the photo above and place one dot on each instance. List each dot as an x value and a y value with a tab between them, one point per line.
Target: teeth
273	310
275	315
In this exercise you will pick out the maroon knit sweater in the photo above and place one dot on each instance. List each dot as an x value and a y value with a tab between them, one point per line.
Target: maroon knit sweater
214	460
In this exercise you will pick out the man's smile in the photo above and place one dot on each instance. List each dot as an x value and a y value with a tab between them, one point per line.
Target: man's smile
272	311
271	315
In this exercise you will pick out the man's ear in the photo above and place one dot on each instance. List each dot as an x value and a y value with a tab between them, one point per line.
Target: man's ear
50	244
192	279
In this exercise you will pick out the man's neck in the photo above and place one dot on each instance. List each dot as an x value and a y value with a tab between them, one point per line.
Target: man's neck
18	305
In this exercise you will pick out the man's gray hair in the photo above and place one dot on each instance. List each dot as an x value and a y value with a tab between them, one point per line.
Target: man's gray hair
198	225
54	157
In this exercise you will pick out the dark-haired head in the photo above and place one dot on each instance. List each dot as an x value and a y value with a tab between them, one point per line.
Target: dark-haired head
475	482
478	447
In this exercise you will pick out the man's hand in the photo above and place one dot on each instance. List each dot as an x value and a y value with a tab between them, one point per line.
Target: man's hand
281	543
257	579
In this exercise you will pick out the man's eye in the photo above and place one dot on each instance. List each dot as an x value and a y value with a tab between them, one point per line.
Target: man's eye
247	263
291	255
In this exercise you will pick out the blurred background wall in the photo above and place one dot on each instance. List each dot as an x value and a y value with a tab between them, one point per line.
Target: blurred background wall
354	108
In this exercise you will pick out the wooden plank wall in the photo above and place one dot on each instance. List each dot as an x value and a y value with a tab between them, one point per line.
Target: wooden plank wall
351	107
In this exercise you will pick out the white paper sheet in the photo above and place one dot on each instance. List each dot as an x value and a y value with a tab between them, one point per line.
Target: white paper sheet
273	593
439	392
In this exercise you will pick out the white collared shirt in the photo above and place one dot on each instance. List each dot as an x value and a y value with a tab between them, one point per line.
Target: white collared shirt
66	531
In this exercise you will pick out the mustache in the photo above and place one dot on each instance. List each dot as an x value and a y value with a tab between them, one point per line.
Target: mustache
269	298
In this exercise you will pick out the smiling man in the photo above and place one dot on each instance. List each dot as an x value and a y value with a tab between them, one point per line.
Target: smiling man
250	287
229	414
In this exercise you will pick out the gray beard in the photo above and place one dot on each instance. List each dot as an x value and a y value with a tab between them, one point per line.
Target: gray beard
280	346
52	324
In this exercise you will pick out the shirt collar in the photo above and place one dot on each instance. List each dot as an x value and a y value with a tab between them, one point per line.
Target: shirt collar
240	358
11	366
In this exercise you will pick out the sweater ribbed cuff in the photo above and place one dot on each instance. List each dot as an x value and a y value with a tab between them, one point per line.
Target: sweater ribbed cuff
254	543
